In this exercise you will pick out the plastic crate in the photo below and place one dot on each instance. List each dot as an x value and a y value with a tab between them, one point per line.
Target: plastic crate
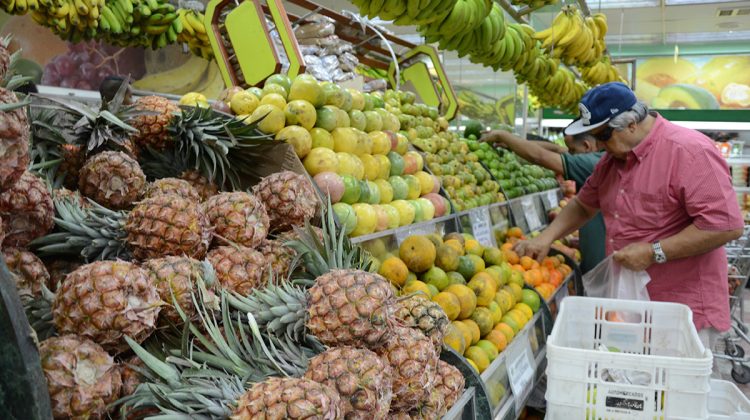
659	342
726	401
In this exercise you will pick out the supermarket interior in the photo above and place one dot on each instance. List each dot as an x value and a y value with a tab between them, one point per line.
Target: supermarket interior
374	209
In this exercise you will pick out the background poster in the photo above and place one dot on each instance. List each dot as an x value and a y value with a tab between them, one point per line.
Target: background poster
694	82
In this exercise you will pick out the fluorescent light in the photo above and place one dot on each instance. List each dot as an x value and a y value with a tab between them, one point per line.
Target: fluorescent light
621	4
684	2
706	36
632	39
555	123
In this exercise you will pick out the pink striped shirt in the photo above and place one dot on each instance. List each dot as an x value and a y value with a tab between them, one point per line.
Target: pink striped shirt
673	178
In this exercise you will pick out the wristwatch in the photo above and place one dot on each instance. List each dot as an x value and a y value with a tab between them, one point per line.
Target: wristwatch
659	255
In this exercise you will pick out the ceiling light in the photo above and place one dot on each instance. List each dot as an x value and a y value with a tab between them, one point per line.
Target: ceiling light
619	4
707	36
684	2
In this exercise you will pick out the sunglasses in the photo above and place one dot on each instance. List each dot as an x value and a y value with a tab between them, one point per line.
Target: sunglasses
603	135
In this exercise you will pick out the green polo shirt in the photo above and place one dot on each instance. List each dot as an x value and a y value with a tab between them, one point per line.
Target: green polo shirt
578	168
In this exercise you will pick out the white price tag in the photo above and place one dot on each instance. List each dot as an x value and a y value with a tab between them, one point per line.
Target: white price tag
521	374
481	226
552	198
532	217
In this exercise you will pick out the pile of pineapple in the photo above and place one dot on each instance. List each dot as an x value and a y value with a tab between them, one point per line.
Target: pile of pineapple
157	282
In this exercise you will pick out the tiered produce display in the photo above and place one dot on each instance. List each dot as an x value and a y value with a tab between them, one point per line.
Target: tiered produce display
515	176
354	145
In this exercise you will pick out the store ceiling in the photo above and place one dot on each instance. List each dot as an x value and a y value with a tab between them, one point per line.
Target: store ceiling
631	22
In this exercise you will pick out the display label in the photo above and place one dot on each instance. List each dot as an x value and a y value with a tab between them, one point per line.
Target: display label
552	199
521	374
481	226
532	216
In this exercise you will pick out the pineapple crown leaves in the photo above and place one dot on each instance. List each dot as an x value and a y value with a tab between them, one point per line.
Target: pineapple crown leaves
182	389
47	140
207	141
39	313
94	233
334	251
279	309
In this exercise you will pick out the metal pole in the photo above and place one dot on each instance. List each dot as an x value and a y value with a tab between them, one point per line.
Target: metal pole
524	128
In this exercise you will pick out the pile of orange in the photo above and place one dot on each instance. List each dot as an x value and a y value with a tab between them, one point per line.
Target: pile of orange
546	277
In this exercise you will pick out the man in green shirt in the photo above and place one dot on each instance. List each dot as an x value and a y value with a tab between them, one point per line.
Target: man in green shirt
576	165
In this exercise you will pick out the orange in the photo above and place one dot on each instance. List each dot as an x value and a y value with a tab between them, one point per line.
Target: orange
483	318
447	258
488	348
466	298
473	246
555	278
511	256
497	312
394	270
417	287
456	245
465	330
527	262
497	338
418	253
474	328
479	357
512	322
454	339
526	309
472	364
506	247
533	277
484	287
450	304
505	300
516	290
506	330
515	232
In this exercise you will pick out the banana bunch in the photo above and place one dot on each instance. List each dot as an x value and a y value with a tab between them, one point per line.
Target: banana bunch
601	72
562	90
69	19
465	16
194	33
476	108
406	12
147	23
371	72
574	38
195	75
491	30
534	4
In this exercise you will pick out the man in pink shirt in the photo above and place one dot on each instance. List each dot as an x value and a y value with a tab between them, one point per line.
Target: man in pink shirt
667	200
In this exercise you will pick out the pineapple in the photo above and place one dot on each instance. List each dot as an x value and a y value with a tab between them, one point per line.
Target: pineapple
342	308
288	398
167	225
28	270
59	268
362	379
5	60
81	377
202	185
432	408
105	301
278	256
414	361
156	227
26	210
450	383
73	158
66	194
14	139
112	179
167	186
290	198
175	279
131	378
153	128
428	316
238	269
238	218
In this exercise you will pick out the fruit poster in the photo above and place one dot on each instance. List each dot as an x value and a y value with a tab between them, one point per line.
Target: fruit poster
694	82
54	62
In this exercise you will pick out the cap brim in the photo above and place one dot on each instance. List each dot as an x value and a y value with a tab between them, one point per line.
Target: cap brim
577	127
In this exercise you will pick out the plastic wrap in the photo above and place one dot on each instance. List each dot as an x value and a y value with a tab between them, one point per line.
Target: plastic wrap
348	61
309	49
315	30
377	84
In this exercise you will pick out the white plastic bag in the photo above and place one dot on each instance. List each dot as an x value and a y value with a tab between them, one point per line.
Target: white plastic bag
611	280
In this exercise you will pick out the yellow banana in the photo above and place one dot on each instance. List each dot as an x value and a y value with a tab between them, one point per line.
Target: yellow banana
573	31
177	80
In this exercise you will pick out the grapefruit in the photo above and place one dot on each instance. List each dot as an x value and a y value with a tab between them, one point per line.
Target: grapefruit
352	189
366	219
357	120
270	118
345	140
393	216
346	215
371	166
327	118
244	103
405	212
400	187
385	166
305	87
300	112
298	137
331	184
321	159
397	163
373	121
386	191
414	188
321	138
274	99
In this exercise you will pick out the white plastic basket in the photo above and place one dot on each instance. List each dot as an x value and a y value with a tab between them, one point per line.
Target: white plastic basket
726	401
658	342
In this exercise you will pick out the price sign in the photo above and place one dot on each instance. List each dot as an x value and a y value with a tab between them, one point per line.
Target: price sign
481	226
530	213
521	374
552	198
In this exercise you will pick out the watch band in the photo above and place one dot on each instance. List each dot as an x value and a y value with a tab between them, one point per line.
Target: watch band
659	255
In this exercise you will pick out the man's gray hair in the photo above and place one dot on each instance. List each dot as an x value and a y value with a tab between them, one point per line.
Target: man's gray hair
636	114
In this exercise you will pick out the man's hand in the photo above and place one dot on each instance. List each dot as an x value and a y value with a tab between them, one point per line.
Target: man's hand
493	136
536	248
637	256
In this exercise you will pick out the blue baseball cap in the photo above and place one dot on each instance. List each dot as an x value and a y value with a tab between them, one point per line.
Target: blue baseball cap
601	104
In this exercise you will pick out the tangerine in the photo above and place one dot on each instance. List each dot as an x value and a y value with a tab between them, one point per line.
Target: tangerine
484	287
394	270
466	298
497	338
450	304
506	330
474	328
